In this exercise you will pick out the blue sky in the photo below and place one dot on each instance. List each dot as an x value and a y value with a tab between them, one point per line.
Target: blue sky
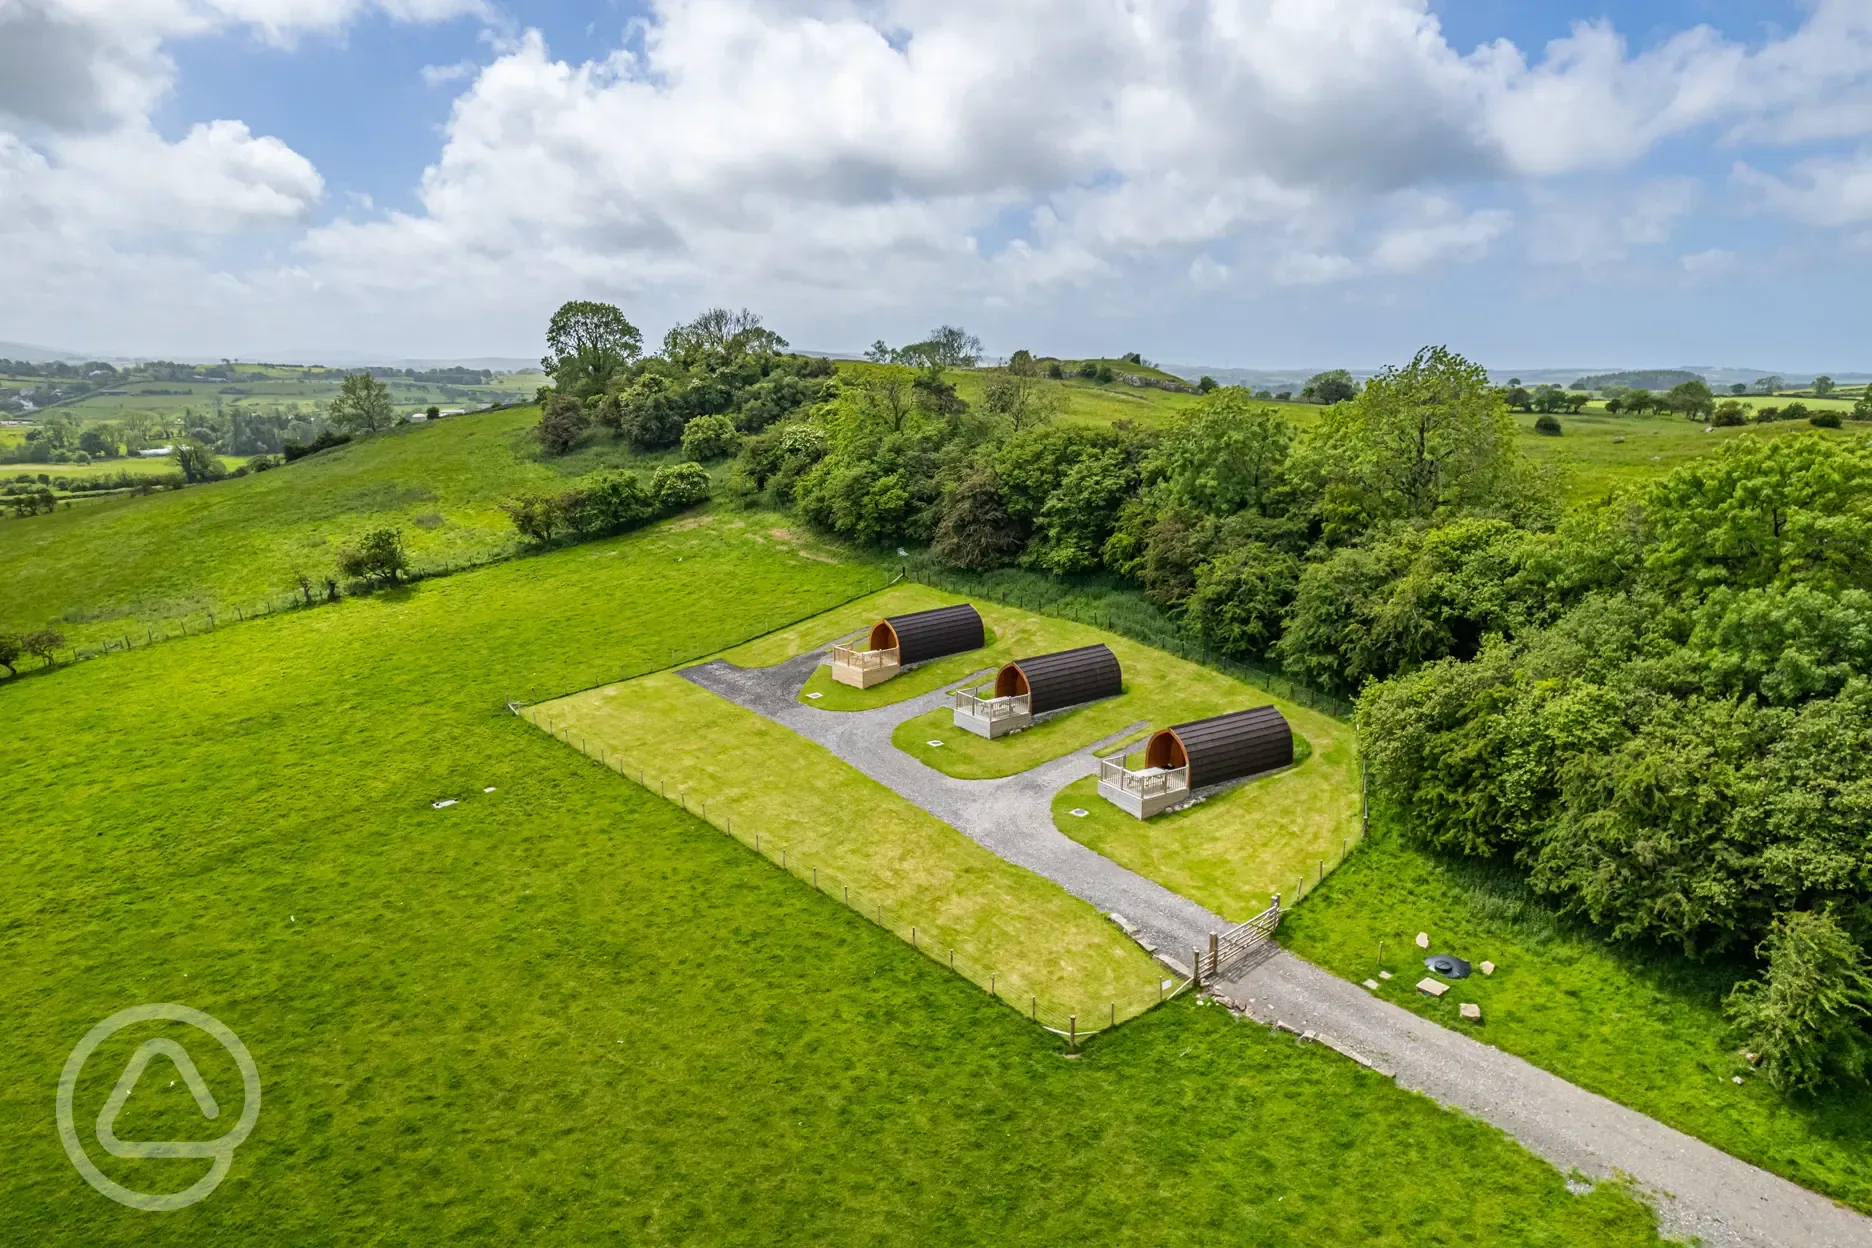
1254	183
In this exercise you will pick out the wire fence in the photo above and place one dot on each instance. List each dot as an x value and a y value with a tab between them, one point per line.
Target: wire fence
1128	615
1074	1022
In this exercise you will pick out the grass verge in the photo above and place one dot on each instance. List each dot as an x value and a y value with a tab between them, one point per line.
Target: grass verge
1645	1030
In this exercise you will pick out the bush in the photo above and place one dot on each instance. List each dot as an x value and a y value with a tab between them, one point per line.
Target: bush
1729	413
562	423
1056	371
1548	424
42	644
1825	420
710	437
326	439
378	556
1795	411
1806	1016
1103	376
675	486
1089	369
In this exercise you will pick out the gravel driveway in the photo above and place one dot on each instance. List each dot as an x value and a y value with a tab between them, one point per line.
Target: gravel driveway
1698	1190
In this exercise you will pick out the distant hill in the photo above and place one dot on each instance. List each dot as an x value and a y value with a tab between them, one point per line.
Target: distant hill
37	355
1638	379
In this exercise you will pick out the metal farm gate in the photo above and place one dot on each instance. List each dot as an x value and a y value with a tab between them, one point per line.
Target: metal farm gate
1231	949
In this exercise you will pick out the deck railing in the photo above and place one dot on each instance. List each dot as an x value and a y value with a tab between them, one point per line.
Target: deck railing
863	659
990	709
1151	782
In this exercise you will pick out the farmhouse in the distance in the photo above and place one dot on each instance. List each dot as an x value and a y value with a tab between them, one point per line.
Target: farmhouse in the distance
900	641
1183	758
1029	687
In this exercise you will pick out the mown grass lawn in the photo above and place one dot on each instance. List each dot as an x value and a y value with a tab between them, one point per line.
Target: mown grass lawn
1233	851
1646	1030
564	1013
755	776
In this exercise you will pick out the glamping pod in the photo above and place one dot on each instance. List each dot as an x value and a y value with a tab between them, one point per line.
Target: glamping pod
1185	757
899	641
1029	687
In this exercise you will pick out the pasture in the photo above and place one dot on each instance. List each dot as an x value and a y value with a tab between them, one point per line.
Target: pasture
564	1012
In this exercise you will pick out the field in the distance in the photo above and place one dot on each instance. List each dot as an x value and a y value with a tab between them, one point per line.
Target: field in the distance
565	1013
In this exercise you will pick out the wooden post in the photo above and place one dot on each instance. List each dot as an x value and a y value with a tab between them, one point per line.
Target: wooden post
1196	966
1114	1014
1072	1024
952	959
991	984
1215	961
913	942
1381	955
1033	1005
815	877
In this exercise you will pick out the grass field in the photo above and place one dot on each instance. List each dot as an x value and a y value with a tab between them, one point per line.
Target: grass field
107	565
756	776
1645	1030
564	1013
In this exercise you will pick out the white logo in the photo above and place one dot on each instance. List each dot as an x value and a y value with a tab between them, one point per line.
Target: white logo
221	1150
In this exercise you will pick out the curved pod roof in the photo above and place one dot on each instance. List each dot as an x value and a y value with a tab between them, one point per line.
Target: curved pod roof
1065	678
924	635
1241	743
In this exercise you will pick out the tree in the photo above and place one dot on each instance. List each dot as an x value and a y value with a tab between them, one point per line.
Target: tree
562	423
11	648
1335	386
1226	454
42	644
1021	363
1517	397
1207	384
975	530
587	343
1862	408
362	405
1806	1015
1019	400
878	352
95	441
1240	597
675	486
1547	423
1693	398
951	346
1769	384
198	463
536	516
378	556
1822	386
1740	387
1430	437
433	412
1729	412
710	437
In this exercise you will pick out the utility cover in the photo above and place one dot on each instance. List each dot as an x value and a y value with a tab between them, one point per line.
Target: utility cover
1447	965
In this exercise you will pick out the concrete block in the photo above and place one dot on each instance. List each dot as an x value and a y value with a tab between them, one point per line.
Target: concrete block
1431	987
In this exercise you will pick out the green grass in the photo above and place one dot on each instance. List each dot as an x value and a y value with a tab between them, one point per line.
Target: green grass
565	1013
125	563
1234	851
755	776
1645	1030
1159	689
1600	453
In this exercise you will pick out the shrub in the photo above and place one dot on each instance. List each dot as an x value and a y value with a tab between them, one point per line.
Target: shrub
1767	415
1729	413
535	516
326	439
710	437
1548	424
1056	370
11	648
42	644
675	486
562	423
378	556
1796	411
1103	375
1825	420
1206	384
1805	1017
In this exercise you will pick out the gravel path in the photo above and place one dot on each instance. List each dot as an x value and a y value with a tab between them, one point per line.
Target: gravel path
1012	817
1698	1190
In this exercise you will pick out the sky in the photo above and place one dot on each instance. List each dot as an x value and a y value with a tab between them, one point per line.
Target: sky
1245	183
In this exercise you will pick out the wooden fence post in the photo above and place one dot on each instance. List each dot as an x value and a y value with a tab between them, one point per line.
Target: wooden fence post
1072	1037
1215	961
1196	966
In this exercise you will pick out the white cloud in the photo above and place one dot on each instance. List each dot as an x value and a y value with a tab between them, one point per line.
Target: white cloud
1826	191
1712	262
1603	225
843	155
